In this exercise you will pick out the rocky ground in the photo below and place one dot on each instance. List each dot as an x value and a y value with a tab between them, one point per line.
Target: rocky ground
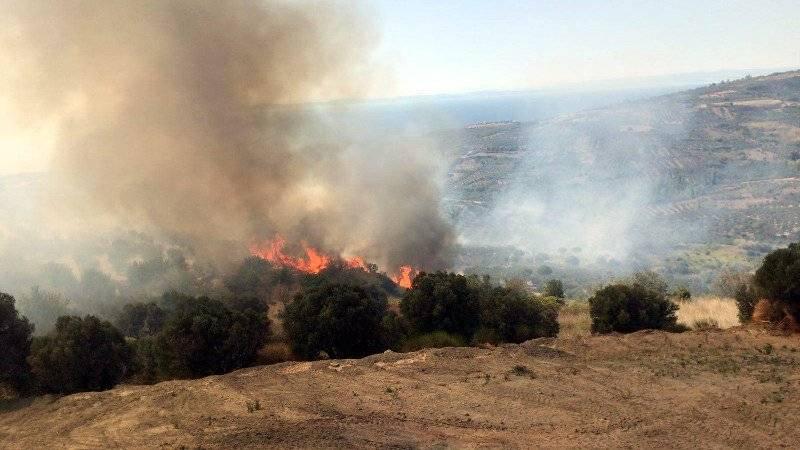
733	388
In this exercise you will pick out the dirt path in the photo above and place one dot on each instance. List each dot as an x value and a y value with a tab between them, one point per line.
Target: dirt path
736	388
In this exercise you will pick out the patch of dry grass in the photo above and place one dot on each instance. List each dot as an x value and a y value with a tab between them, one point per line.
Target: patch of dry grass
708	309
574	320
274	352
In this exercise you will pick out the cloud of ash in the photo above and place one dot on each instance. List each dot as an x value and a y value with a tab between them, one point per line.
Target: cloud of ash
185	120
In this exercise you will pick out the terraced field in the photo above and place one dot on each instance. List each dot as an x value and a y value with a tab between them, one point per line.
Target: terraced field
718	165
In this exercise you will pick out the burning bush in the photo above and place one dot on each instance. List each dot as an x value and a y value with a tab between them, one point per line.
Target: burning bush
15	344
627	308
203	336
80	354
341	320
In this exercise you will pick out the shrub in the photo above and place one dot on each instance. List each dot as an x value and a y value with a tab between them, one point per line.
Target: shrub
80	354
627	308
436	339
554	288
15	344
145	364
395	330
746	299
202	336
443	302
338	273
140	319
342	320
512	315
651	281
681	294
706	324
778	279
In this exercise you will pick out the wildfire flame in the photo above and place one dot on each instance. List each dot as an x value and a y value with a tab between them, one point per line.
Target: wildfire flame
356	262
405	277
315	261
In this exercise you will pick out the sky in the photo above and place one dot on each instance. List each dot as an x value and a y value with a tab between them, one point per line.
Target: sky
452	46
431	47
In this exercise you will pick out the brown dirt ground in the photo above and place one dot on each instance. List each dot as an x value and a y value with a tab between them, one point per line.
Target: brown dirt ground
715	389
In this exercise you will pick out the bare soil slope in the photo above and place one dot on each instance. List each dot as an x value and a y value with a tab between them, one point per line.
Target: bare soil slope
737	388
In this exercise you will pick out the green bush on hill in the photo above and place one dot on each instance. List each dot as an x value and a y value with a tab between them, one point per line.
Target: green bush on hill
202	336
443	301
138	320
342	320
476	311
513	315
778	279
553	288
626	308
80	354
15	344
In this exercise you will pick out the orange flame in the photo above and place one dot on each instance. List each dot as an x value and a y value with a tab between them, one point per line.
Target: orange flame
314	261
356	262
405	277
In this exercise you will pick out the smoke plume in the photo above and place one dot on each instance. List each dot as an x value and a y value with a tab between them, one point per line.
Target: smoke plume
189	120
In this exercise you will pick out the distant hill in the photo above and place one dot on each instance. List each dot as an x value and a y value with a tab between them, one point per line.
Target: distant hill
717	165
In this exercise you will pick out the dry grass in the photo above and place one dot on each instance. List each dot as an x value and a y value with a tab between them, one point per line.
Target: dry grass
574	319
274	352
708	310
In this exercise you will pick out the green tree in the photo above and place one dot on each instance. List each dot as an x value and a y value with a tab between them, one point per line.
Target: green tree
778	279
626	308
746	299
513	315
140	319
257	277
202	336
650	280
554	288
443	301
15	344
80	354
342	320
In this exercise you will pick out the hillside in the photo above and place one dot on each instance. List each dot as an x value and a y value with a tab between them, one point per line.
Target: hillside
737	388
711	167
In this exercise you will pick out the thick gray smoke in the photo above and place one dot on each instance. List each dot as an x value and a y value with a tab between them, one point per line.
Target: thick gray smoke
181	119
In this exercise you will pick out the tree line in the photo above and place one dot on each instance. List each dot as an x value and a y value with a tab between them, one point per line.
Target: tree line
339	313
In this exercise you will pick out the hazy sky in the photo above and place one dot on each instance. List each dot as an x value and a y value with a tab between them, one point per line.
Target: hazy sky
467	45
452	46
